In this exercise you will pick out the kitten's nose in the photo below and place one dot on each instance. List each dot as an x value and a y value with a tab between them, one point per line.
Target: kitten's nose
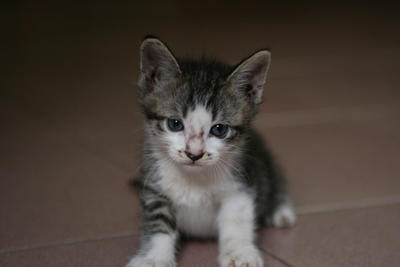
194	157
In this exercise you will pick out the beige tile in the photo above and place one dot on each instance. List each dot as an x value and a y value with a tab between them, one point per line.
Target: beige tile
357	237
52	191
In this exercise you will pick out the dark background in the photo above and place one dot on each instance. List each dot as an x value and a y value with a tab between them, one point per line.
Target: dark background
70	126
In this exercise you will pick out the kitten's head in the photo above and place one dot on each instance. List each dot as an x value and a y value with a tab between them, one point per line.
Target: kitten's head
198	111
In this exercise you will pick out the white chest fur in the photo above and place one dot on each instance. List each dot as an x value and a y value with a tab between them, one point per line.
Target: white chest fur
198	221
196	197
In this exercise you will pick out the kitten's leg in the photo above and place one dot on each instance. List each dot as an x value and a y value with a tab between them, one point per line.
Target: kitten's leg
236	223
159	232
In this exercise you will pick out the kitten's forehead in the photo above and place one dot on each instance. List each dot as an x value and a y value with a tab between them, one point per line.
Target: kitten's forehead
198	118
202	89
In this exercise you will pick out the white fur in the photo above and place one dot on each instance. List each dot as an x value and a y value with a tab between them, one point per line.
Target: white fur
236	232
198	221
207	208
161	253
284	216
196	139
207	199
198	120
196	196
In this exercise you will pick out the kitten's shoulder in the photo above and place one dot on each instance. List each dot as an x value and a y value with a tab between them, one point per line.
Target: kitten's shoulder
258	158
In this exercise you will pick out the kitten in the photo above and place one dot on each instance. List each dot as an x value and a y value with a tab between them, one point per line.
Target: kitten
205	172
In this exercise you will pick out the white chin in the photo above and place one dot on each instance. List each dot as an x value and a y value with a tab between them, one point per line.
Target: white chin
192	166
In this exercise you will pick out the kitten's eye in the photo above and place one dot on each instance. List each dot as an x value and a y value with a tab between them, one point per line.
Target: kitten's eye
175	125
219	130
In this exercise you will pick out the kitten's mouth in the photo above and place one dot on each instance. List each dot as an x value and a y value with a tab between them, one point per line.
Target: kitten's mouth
192	164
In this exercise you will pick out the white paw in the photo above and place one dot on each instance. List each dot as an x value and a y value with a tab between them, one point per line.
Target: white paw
243	257
284	216
146	262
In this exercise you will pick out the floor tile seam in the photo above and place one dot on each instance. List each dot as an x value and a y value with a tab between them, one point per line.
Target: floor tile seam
276	258
382	202
365	203
113	237
84	241
68	243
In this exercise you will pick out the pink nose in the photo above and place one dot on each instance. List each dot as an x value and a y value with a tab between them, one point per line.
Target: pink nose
194	148
194	157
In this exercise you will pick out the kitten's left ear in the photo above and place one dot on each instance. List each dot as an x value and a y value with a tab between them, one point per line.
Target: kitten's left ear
157	64
249	77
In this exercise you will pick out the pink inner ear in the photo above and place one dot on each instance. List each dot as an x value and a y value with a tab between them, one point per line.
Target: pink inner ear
157	62
252	92
155	75
152	72
258	79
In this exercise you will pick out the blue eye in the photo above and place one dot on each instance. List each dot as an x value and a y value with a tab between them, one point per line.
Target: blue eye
175	125
219	130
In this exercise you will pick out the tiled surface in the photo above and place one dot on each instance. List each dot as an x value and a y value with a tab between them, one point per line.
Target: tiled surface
339	164
70	127
356	237
48	181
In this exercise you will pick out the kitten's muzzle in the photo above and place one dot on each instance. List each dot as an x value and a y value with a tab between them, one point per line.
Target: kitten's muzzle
194	157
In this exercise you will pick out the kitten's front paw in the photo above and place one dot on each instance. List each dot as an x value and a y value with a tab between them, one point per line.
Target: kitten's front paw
145	262
241	257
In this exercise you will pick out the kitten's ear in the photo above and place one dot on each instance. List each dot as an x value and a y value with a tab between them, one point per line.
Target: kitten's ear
249	77
157	64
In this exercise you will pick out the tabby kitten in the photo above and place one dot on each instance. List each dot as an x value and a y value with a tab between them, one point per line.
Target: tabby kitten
205	172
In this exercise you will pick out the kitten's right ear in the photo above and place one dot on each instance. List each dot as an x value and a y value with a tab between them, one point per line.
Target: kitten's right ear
249	77
157	64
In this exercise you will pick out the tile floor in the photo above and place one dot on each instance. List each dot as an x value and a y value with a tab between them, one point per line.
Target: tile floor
71	127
